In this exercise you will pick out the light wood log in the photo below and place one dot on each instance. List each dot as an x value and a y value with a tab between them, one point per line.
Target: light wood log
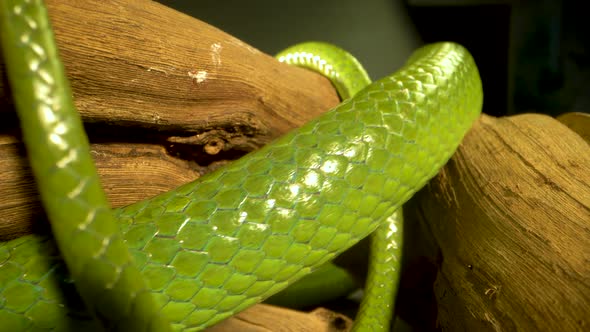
165	97
265	318
505	232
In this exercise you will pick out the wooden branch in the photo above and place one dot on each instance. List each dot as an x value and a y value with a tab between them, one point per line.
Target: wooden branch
506	226
138	62
129	172
158	91
264	318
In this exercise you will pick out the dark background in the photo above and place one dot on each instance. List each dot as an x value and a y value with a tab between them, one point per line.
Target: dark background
532	55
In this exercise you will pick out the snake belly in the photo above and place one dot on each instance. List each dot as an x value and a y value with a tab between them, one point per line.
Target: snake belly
230	239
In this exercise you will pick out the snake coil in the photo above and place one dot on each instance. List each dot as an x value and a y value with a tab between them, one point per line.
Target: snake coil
193	256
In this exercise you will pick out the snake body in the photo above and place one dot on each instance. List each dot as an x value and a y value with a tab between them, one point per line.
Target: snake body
193	256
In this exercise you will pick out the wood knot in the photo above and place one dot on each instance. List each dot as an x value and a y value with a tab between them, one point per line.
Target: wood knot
339	323
214	146
333	321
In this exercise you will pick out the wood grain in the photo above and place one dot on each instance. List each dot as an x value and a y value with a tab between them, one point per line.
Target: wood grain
266	318
163	96
507	224
140	63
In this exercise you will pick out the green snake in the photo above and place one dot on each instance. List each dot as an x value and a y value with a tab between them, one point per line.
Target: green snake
202	252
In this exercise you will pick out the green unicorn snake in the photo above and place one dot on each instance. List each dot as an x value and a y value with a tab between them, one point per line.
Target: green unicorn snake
202	252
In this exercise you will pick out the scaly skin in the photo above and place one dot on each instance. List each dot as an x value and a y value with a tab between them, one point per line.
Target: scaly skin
340	67
213	247
377	308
